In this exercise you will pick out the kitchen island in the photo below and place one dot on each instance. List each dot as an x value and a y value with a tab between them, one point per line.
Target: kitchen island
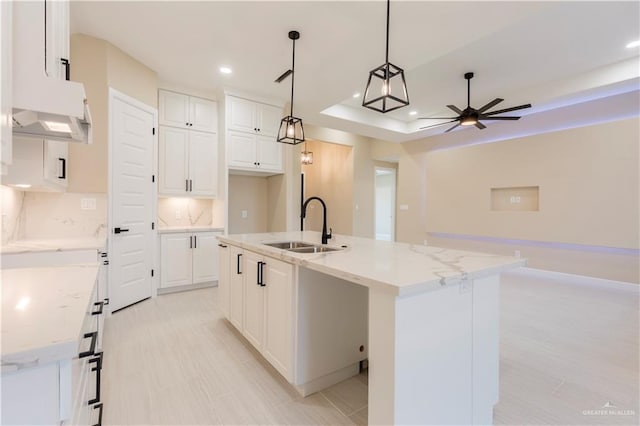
433	317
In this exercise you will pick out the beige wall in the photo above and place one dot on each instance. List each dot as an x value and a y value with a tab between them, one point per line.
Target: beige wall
248	193
100	65
589	196
331	178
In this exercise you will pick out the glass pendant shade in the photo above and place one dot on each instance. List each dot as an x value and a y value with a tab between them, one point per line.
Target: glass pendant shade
291	130
306	157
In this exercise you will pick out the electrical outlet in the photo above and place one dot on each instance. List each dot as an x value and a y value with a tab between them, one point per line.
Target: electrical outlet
517	253
87	204
244	214
178	214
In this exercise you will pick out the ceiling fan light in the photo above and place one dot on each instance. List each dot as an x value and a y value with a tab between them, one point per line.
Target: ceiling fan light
468	121
291	130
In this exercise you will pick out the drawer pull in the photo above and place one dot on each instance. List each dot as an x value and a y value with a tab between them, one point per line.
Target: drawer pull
238	271
92	348
98	368
222	245
99	311
99	407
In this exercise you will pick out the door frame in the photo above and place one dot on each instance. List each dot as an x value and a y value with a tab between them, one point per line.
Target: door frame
394	172
153	237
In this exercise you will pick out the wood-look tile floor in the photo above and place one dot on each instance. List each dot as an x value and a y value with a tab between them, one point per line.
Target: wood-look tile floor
566	351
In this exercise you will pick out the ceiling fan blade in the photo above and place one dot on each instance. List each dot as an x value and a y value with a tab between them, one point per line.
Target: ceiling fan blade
437	118
491	104
499	118
480	126
436	125
500	111
451	128
455	109
283	76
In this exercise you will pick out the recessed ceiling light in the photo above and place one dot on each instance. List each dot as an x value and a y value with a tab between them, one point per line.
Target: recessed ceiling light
23	303
413	113
356	95
633	44
226	70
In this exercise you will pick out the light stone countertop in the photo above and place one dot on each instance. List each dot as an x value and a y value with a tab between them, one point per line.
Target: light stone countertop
400	268
45	245
191	228
43	310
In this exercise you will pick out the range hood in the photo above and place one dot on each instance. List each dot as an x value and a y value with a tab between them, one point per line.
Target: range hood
44	107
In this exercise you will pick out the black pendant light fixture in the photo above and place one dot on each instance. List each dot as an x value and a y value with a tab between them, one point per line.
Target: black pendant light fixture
291	130
386	88
306	156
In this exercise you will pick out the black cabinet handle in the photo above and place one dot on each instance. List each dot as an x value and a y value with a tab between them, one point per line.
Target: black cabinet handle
186	124
98	368
119	230
99	311
190	241
261	274
98	407
103	254
190	185
92	348
222	245
67	68
195	241
64	168
238	271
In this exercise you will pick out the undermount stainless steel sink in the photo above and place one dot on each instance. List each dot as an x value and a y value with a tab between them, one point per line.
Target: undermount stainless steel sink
301	247
289	245
314	249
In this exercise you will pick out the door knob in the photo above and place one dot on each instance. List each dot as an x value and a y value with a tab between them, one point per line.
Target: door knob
119	230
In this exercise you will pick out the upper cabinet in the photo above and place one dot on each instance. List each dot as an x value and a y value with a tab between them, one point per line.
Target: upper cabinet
38	165
187	112
252	128
56	52
6	84
187	146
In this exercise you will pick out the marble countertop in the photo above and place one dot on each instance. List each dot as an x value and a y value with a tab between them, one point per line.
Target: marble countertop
43	310
401	268
44	245
191	228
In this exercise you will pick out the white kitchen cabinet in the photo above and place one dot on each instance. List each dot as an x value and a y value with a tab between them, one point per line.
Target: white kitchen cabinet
41	164
6	85
187	112
188	258
248	151
57	38
252	129
236	287
268	309
188	162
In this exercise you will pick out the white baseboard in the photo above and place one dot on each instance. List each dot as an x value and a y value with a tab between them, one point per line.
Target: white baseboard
580	279
187	287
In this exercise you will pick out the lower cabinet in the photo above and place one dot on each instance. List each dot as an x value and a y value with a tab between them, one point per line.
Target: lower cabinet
188	258
257	298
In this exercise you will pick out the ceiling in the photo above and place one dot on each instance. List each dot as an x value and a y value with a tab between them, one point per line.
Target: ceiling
551	54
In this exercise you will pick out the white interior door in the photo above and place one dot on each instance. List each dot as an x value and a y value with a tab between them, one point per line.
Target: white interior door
131	200
385	182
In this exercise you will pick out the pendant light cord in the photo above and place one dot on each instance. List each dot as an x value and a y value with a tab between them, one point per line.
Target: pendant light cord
293	74
387	52
468	92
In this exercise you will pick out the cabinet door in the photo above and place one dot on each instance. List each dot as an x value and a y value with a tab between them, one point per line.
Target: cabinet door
236	287
203	115
56	155
175	260
241	150
57	37
173	161
173	109
253	300
6	85
203	163
269	118
269	154
205	257
224	268
278	346
242	115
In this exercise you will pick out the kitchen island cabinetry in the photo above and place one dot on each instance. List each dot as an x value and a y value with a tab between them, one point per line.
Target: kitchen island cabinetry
431	313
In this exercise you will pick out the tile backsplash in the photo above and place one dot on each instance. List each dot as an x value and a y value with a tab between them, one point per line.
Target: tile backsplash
176	211
42	215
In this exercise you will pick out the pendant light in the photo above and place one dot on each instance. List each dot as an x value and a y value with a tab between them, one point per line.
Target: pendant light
291	130
386	88
306	156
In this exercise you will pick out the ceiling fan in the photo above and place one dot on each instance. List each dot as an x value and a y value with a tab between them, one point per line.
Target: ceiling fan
471	116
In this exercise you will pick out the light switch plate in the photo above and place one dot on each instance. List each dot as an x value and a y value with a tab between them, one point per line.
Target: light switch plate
87	204
244	214
404	207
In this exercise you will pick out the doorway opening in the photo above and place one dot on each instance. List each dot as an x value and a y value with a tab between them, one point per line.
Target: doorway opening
385	204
